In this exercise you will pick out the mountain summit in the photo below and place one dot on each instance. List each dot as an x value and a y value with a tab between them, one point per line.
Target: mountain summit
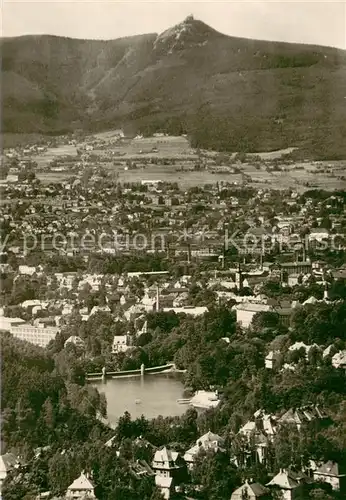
189	33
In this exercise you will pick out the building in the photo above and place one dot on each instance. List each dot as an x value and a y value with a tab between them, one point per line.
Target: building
329	472
28	270
246	311
271	360
141	469
263	422
300	345
205	399
339	360
288	483
151	303
251	491
259	432
120	344
38	335
97	309
170	470
142	330
81	489
318	234
302	415
147	182
208	441
8	461
303	267
166	486
12	178
7	323
190	310
75	340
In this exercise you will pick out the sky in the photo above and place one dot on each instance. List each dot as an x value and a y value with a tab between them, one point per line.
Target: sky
317	22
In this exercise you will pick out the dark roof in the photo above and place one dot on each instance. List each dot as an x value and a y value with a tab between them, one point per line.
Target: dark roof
293	264
141	469
329	469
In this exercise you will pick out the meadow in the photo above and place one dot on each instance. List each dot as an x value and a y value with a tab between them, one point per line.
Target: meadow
172	159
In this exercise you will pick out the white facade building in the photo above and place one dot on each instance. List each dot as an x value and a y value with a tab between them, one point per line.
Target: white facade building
81	488
38	335
120	344
246	312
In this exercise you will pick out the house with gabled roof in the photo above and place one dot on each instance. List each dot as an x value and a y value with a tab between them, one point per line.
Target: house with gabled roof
289	483
75	340
302	415
97	309
82	488
251	491
208	441
259	432
170	470
271	360
140	469
263	422
330	472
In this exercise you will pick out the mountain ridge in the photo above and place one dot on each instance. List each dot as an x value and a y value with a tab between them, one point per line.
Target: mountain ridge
271	92
188	19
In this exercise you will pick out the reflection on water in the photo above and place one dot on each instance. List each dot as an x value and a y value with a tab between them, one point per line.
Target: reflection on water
151	395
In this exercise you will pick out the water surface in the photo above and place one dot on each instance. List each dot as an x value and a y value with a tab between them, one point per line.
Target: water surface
151	395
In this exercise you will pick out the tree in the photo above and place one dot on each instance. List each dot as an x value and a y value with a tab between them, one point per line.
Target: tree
61	472
125	427
216	477
48	414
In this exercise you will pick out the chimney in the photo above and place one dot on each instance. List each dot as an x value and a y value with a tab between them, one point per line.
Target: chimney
157	299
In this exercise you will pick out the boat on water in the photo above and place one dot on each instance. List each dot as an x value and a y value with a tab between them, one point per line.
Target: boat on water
184	401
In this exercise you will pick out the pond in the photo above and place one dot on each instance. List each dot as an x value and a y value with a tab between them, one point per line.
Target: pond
151	396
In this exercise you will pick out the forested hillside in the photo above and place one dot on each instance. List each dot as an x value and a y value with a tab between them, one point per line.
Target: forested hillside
227	93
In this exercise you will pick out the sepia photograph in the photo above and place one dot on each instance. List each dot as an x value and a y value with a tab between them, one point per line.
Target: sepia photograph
173	250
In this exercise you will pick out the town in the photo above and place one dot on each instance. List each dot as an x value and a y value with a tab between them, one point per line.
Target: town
194	271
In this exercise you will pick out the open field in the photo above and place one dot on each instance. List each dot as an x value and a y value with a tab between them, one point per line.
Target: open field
171	159
186	178
51	154
53	177
142	148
